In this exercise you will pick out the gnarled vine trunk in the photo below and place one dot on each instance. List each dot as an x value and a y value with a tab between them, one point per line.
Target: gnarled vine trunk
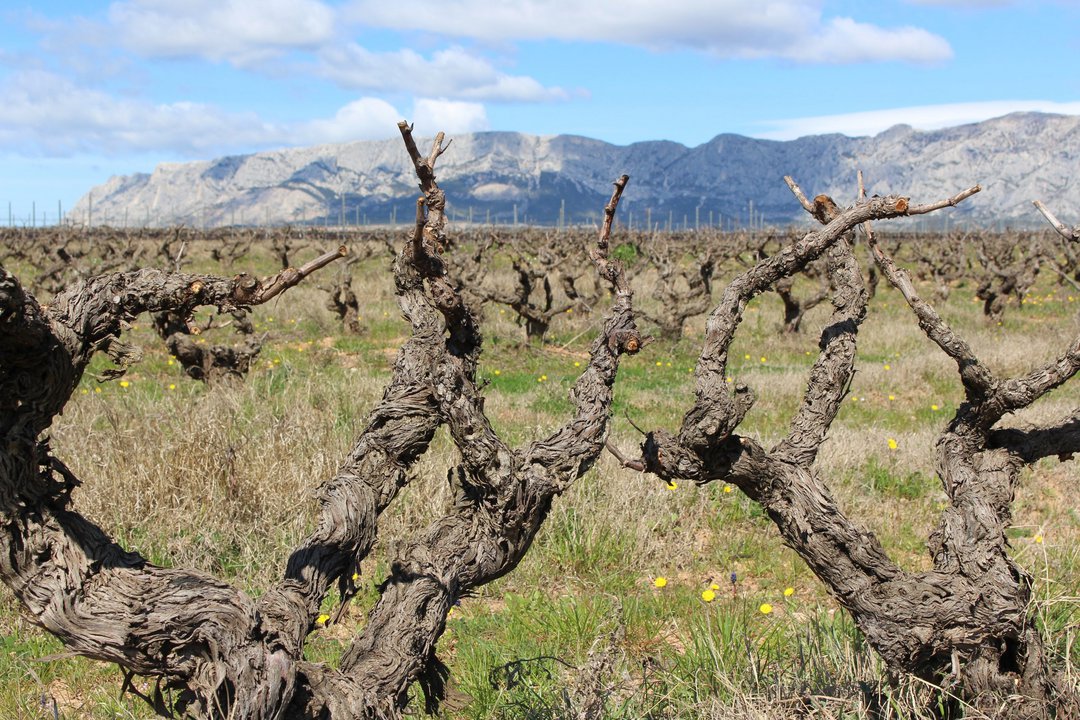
962	625
221	653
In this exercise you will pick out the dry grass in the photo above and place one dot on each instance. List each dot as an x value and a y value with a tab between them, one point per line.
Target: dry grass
222	479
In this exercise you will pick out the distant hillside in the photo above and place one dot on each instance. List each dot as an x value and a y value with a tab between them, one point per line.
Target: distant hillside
500	176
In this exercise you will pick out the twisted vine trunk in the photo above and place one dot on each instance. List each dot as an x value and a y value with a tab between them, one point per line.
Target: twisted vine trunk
964	624
221	653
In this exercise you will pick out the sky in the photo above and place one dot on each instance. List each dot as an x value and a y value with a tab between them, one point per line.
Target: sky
94	89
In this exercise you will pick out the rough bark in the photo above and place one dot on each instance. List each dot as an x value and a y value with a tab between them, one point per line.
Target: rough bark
963	624
221	653
503	495
994	653
189	630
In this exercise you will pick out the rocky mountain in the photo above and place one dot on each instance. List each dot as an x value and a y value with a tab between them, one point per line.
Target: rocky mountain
509	177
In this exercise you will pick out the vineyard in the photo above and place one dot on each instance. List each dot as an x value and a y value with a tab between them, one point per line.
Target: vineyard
535	473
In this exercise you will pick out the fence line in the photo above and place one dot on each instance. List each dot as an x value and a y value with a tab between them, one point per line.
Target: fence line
338	213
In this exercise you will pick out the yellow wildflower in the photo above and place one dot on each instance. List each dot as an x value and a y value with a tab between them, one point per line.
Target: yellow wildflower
322	619
789	591
934	408
708	595
892	444
1039	539
172	386
672	485
498	372
765	608
660	582
727	488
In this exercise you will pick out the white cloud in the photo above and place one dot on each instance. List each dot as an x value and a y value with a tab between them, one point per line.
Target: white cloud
981	4
449	116
788	29
965	3
361	119
453	72
248	33
46	115
845	41
239	31
925	117
52	115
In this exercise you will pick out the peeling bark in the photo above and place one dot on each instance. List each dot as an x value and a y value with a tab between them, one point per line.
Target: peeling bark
963	624
194	633
214	650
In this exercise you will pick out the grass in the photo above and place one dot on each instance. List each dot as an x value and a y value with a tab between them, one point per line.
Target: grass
222	479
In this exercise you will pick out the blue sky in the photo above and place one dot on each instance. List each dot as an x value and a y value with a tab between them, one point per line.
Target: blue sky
92	90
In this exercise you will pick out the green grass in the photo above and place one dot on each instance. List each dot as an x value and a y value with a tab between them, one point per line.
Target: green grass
223	479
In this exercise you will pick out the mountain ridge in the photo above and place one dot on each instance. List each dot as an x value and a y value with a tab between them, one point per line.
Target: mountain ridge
501	176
